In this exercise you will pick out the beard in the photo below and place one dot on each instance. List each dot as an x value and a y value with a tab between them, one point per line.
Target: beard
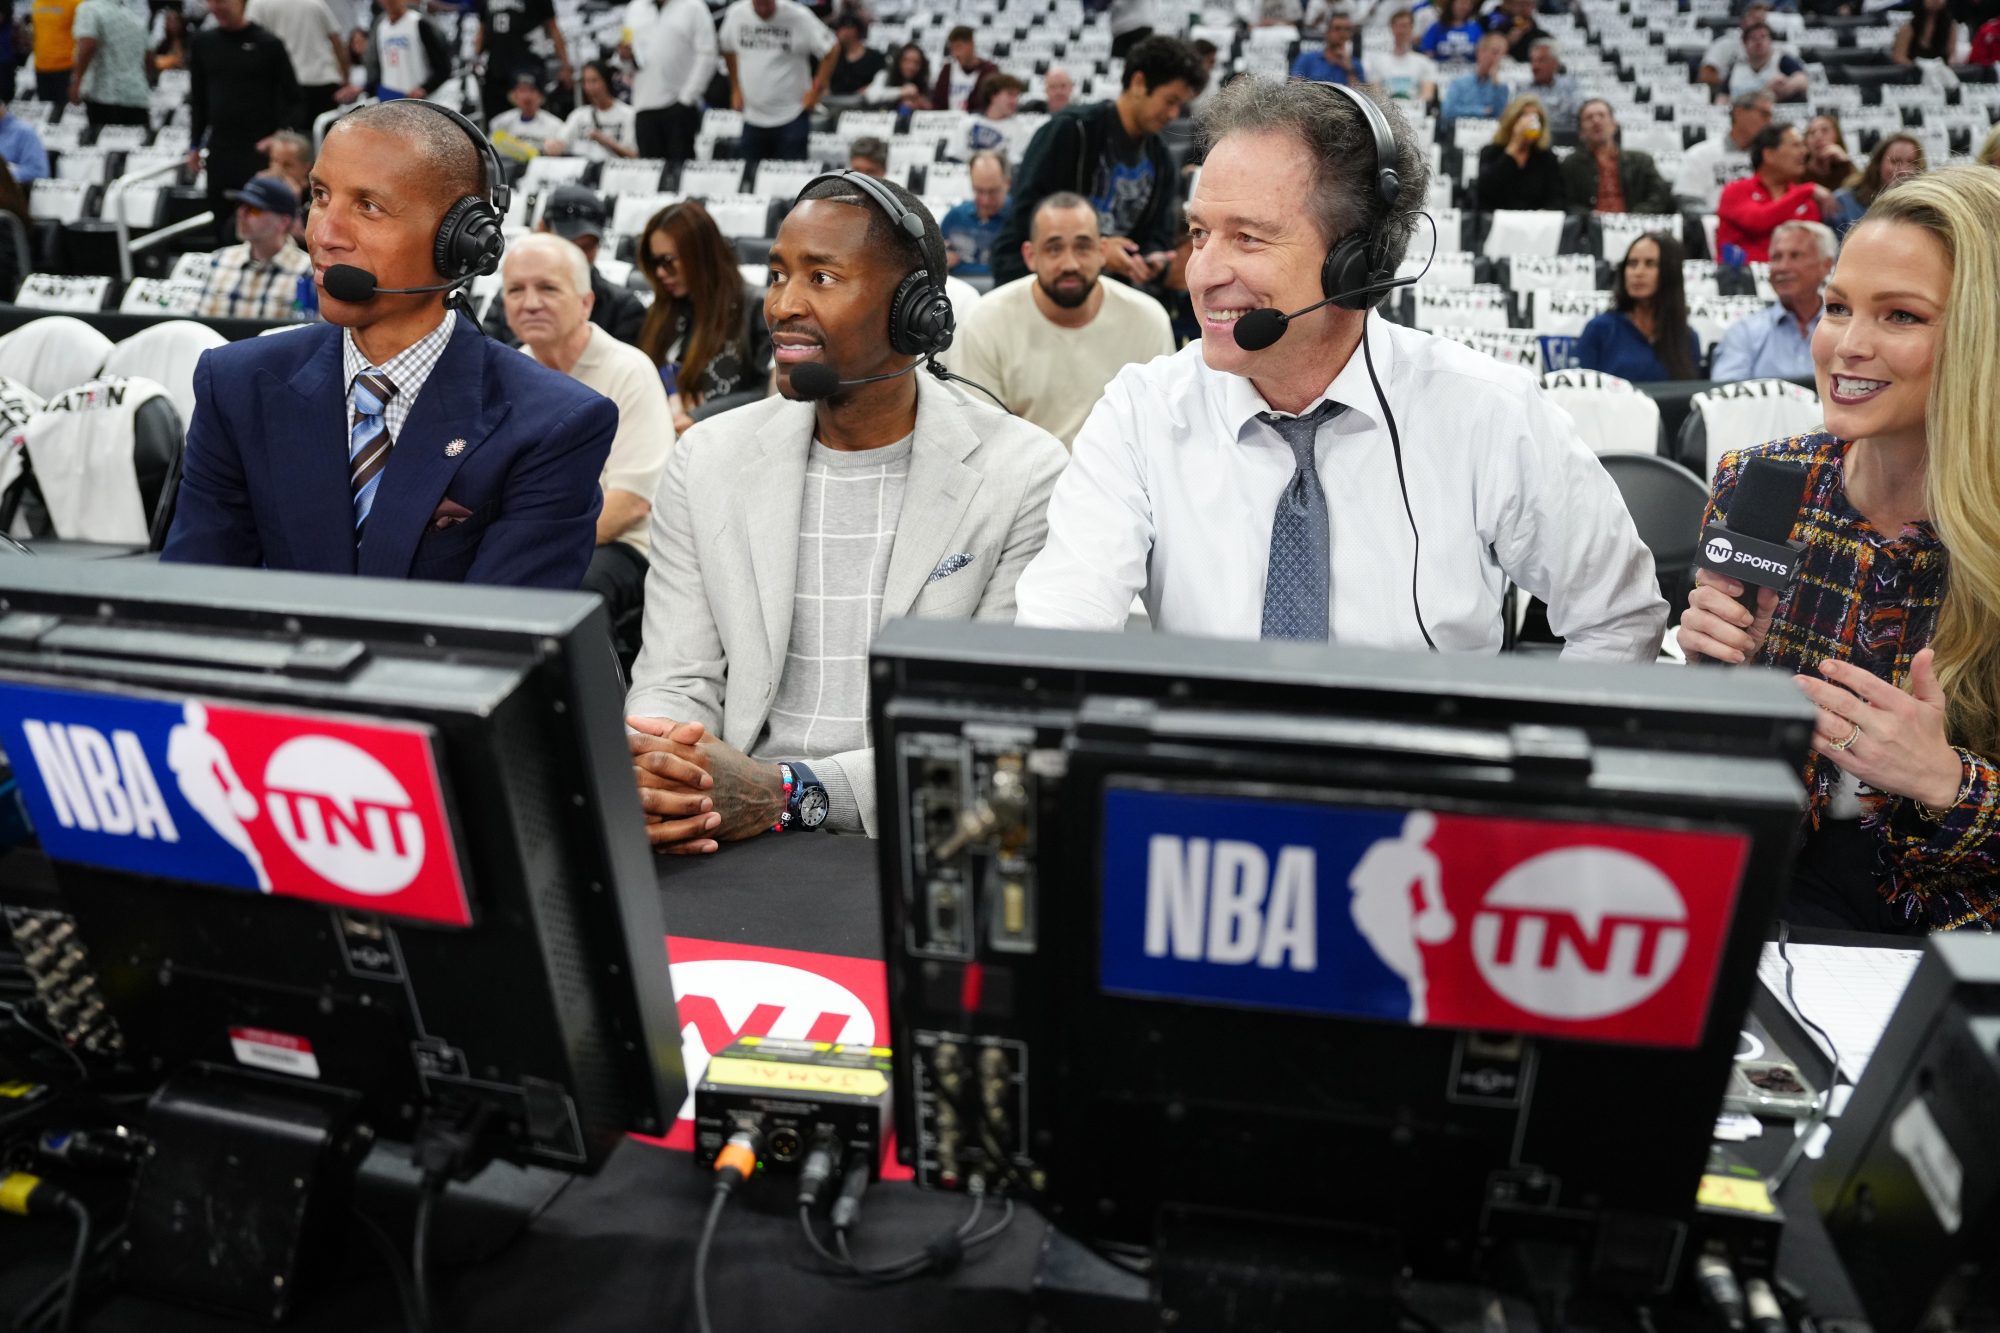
1068	300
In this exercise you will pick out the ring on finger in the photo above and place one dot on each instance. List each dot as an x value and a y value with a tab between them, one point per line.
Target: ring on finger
1852	737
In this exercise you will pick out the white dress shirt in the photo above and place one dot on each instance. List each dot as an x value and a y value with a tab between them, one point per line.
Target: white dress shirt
1173	485
675	52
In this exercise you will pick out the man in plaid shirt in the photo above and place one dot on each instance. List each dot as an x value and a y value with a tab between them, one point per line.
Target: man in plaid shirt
259	277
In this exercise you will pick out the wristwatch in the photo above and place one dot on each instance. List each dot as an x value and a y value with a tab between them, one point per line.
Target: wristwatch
805	799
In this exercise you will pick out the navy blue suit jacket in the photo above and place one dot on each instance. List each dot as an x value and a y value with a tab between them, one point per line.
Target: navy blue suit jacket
265	479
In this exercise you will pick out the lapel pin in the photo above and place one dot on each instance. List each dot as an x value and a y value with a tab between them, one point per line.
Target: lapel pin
454	449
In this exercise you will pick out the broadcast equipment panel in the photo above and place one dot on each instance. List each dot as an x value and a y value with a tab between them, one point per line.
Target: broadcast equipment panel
1448	953
305	832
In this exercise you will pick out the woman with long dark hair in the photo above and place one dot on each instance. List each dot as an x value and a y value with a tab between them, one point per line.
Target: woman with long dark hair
902	82
705	330
1896	157
1931	34
1645	336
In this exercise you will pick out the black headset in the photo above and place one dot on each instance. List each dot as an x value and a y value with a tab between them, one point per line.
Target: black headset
470	239
921	322
1359	261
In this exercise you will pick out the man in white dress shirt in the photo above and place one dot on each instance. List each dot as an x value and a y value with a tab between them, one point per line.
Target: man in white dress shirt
1186	486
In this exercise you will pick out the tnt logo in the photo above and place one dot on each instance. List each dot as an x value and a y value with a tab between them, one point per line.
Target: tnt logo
1719	550
344	815
1581	933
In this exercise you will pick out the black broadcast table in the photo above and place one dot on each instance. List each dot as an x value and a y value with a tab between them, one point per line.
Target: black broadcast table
615	1252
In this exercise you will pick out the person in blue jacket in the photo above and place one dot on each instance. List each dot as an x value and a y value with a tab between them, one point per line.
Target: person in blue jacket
1645	335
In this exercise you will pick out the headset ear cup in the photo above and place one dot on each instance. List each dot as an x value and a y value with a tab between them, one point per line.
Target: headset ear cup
921	322
1348	267
469	240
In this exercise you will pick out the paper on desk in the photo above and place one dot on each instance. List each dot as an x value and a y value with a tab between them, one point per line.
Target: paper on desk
1848	991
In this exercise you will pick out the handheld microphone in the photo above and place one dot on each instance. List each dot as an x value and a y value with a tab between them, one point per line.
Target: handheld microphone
1754	545
815	380
345	282
1261	328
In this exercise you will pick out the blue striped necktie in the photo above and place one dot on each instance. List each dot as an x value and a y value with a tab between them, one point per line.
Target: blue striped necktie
368	441
1297	584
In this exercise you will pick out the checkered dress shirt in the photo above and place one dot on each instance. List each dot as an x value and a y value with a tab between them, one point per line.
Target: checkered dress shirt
240	287
407	370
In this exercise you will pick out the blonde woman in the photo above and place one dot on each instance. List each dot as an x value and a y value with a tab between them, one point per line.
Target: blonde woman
1517	170
1893	627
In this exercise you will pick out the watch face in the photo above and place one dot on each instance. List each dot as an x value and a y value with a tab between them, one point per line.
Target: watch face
812	807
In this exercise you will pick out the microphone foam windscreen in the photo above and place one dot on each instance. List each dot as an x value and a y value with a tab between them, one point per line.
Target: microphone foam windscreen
344	282
1767	499
1259	329
814	380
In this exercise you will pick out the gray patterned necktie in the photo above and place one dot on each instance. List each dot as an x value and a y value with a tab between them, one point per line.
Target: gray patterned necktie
1298	584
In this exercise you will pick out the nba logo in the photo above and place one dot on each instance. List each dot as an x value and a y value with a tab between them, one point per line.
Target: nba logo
1489	922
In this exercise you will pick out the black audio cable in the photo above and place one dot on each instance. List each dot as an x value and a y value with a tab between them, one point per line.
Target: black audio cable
942	1255
736	1163
28	1195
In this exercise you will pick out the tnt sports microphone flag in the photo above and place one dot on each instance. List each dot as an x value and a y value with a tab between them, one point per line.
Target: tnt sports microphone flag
1597	931
337	810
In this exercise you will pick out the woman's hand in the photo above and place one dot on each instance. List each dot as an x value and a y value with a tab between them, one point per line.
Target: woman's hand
1717	626
1891	740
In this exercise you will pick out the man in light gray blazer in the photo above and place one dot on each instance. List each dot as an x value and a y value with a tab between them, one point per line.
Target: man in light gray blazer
786	532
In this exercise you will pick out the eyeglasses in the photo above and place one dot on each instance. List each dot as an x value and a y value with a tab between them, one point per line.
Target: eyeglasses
663	263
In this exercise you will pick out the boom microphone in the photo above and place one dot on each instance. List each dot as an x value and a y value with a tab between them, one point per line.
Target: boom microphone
1754	546
1261	328
345	282
815	380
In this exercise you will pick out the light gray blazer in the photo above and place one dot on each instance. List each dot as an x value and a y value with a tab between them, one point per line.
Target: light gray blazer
724	555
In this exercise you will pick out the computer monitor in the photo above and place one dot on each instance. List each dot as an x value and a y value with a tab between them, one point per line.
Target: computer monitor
1444	952
341	834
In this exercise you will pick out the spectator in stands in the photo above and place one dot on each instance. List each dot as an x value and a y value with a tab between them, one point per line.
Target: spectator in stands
263	276
55	48
109	76
1058	90
240	92
406	53
1049	343
869	156
1208	54
998	129
1929	35
1723	53
292	455
1335	61
291	160
171	51
1453	39
772	48
1775	191
317	45
905	85
1892	625
1517	170
1254	494
761	637
1827	162
1111	153
972	228
1515	20
669	45
21	146
1776	343
1765	69
859	63
530	129
961	85
705	329
1556	90
1272	13
602	127
1896	157
1479	95
1645	337
1405	73
547	293
1603	177
576	213
506	28
1709	165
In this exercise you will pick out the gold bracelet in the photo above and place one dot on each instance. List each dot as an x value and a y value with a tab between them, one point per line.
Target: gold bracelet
1939	816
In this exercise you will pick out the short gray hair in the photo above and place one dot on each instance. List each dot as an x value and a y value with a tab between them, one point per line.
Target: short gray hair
449	156
1822	236
1542	44
1752	101
1339	143
296	140
546	242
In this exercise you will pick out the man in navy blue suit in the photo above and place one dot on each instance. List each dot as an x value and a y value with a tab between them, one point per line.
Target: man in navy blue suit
395	440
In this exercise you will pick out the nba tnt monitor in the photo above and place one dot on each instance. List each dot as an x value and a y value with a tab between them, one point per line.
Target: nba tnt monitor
1418	960
336	861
